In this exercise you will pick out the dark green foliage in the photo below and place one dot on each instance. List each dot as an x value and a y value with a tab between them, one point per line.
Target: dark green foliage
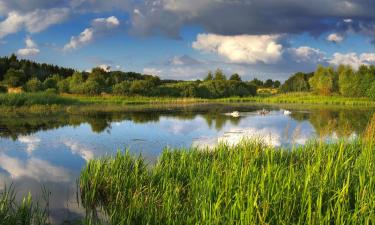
235	77
122	88
31	69
3	89
14	78
297	83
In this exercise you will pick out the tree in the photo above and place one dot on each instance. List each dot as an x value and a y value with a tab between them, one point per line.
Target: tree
122	88
235	77
50	83
268	83
33	85
297	82
276	84
257	83
349	81
209	76
323	81
14	78
219	75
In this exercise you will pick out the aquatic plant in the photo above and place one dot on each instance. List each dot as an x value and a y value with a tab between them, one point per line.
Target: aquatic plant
25	212
245	184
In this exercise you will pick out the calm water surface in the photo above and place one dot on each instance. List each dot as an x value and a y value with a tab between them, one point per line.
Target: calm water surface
50	151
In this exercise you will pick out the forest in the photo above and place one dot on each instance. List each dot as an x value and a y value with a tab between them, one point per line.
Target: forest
30	76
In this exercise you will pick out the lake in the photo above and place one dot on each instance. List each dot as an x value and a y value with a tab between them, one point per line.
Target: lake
50	150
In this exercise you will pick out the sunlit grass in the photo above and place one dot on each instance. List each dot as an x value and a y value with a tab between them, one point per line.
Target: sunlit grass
25	212
245	184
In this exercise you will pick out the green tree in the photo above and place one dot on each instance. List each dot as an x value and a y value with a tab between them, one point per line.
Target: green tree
323	81
122	88
50	83
14	78
349	81
235	77
268	83
33	85
219	75
209	76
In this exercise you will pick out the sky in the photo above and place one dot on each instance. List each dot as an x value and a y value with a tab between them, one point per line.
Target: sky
184	39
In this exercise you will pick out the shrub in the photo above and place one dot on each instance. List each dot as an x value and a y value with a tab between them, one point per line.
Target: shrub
33	85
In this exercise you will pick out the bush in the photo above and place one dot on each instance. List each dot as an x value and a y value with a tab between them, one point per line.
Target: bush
3	89
33	85
122	88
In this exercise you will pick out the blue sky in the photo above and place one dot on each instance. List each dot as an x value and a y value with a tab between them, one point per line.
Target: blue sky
185	39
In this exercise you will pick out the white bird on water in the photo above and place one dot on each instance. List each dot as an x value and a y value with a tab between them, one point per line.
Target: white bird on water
235	114
287	112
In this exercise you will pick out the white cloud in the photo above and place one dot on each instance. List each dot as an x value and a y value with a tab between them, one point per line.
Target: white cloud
353	59
98	26
33	168
84	37
79	149
307	54
30	49
249	49
334	37
152	71
32	142
35	21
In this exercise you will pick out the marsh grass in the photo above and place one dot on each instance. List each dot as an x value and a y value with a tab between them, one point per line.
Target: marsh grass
33	99
25	212
245	184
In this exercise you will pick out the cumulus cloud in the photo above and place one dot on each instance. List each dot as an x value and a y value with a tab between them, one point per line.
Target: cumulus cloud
98	27
307	54
241	48
30	49
33	168
152	71
335	37
226	17
352	59
35	21
32	142
182	61
79	149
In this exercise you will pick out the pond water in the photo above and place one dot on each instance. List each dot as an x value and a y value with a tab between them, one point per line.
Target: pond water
50	151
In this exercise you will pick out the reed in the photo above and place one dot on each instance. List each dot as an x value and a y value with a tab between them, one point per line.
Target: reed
25	212
249	183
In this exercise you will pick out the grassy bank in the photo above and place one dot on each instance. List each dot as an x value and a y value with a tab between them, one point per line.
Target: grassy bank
52	102
246	184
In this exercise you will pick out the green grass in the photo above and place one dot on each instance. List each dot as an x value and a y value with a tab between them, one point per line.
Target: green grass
245	184
25	212
26	100
31	99
305	98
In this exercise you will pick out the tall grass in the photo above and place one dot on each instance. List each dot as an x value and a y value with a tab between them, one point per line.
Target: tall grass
245	184
31	99
25	212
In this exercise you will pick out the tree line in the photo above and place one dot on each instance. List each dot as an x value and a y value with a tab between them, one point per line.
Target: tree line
343	81
36	77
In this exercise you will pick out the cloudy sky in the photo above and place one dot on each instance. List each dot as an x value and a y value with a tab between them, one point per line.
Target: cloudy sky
183	39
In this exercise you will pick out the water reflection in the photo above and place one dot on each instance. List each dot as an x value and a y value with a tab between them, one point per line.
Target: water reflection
51	150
